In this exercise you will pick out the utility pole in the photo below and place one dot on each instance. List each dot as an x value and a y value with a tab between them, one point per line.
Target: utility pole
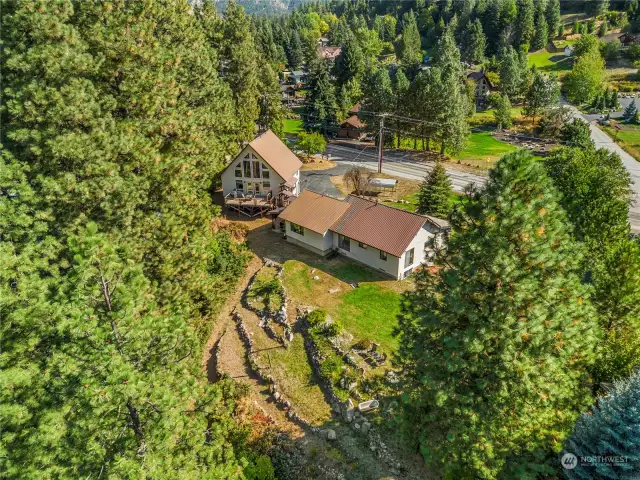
381	143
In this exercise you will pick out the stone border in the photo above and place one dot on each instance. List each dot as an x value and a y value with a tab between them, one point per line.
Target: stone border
278	397
280	317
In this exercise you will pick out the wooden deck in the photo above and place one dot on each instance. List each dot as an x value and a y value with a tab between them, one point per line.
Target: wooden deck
249	206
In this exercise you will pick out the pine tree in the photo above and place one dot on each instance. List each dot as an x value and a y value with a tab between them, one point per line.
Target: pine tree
543	93
541	35
350	63
495	344
524	23
629	113
552	14
410	52
473	43
611	428
502	110
511	76
320	107
295	54
586	77
434	197
272	113
238	61
402	88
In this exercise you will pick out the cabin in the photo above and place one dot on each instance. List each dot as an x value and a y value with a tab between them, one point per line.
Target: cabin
264	176
352	127
483	85
328	52
392	241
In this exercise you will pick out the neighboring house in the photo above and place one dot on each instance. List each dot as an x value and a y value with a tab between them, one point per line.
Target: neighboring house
483	85
329	53
265	173
296	77
627	39
355	109
568	50
289	94
352	127
387	239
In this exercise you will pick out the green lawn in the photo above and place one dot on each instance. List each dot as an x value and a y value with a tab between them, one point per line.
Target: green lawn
367	312
482	149
413	201
487	118
292	126
628	138
550	61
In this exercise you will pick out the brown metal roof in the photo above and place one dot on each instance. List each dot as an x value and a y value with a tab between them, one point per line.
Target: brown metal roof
314	211
276	154
353	121
379	226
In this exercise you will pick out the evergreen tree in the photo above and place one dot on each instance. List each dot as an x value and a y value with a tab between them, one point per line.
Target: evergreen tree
495	343
524	23
603	28
378	96
596	195
511	76
576	133
410	52
543	93
629	113
320	107
272	112
502	110
473	43
552	15
434	197
402	88
611	428
295	55
350	63
239	63
541	35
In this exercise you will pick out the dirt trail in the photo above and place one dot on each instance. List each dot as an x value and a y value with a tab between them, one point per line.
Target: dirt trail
232	355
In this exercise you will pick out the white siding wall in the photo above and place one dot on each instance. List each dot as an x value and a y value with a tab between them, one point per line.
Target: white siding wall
317	242
229	178
369	256
418	245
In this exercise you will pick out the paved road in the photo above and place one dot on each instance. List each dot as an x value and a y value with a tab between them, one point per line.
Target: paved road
602	140
399	164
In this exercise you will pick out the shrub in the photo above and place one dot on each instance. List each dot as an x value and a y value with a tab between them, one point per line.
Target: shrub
333	329
317	317
261	469
331	368
364	344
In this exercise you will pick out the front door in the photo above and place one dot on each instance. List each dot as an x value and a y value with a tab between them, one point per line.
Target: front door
254	188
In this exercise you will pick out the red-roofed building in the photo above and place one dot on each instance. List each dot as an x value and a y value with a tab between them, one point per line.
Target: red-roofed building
388	239
352	127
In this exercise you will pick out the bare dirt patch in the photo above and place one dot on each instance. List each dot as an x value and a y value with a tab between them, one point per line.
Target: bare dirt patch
318	165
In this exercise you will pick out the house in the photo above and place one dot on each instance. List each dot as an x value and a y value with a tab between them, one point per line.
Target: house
483	85
329	53
265	174
387	239
289	94
568	50
296	77
352	127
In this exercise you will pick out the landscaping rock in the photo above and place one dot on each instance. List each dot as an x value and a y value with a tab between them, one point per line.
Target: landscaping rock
365	428
316	277
331	434
334	290
276	396
368	406
349	411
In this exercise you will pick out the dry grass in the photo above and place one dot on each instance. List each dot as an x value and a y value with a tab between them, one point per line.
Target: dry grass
404	188
318	165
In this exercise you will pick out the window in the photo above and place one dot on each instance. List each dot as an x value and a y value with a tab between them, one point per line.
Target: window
407	273
295	228
238	171
344	243
266	185
362	245
383	255
246	167
239	185
266	174
408	258
256	169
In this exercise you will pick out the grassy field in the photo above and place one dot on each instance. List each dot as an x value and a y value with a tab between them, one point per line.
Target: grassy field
413	201
367	312
546	61
292	126
486	118
628	138
483	150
